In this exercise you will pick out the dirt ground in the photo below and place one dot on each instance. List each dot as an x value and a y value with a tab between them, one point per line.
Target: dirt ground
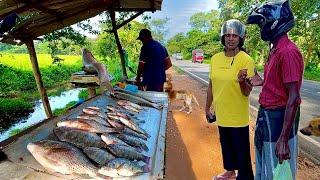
192	145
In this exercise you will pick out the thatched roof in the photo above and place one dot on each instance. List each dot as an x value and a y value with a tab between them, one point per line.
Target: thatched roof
40	17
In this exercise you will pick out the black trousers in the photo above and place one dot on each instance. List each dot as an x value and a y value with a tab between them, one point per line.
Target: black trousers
235	147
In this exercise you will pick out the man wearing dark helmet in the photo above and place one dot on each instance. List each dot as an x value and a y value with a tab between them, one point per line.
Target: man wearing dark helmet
279	113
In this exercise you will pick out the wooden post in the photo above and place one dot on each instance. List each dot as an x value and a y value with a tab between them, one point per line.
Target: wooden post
37	76
116	36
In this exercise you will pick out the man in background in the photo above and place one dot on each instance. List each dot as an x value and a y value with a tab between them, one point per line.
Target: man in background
151	63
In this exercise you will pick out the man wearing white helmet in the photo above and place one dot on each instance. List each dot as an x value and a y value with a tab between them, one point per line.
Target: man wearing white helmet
228	92
279	113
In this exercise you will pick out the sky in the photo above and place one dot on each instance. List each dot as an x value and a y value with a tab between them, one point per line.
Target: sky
180	11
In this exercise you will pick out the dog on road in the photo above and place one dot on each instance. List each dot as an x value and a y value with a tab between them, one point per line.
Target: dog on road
313	128
187	96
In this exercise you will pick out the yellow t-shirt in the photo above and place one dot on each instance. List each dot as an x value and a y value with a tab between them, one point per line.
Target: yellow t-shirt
230	105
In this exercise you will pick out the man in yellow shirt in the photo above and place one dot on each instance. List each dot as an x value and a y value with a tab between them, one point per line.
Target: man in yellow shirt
228	92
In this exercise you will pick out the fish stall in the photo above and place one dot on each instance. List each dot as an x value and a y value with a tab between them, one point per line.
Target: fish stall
113	135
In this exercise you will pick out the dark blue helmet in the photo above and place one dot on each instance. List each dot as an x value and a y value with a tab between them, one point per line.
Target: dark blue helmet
273	18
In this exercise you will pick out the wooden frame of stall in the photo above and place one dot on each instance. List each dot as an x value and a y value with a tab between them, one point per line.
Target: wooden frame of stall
46	16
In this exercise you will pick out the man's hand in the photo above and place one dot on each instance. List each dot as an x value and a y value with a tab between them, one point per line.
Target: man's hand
282	150
242	75
256	80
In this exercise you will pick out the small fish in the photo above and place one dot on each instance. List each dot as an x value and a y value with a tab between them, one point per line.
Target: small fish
79	138
127	152
100	156
86	125
134	94
121	167
135	99
128	123
123	114
125	102
131	132
61	157
133	141
94	112
95	118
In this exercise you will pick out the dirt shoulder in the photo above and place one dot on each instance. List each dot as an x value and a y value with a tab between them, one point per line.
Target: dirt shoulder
192	145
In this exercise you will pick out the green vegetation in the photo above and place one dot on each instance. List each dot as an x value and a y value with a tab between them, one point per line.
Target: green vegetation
13	106
60	111
16	131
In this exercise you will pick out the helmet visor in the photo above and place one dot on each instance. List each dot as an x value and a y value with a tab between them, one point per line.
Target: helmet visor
233	26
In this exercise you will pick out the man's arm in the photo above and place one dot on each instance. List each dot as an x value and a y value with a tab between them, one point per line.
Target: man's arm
256	80
282	147
140	71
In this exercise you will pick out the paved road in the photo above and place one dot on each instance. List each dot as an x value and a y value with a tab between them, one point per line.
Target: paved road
310	92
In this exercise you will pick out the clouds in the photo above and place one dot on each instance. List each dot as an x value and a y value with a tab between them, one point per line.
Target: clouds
180	11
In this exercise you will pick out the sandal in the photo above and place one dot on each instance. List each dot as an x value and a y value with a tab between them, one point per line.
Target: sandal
228	175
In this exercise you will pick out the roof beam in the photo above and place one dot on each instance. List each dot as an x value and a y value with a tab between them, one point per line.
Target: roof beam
126	21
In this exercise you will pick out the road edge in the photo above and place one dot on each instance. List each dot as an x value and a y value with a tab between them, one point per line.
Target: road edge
307	145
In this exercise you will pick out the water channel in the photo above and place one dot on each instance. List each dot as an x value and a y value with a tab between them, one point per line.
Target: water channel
39	114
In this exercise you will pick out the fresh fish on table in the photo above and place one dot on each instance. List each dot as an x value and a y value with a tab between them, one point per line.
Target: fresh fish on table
121	167
86	125
128	123
135	99
111	139
79	138
124	114
100	156
63	158
94	112
130	108
133	141
125	102
134	94
131	132
95	118
127	152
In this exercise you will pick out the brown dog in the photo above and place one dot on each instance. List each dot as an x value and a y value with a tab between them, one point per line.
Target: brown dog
184	95
313	128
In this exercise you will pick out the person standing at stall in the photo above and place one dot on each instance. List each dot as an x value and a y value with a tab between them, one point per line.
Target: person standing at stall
228	91
151	68
279	112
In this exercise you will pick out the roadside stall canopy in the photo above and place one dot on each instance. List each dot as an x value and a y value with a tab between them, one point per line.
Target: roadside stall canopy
40	17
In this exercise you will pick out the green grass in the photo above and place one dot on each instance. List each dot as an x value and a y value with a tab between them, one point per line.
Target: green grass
312	74
16	131
60	111
22	61
178	70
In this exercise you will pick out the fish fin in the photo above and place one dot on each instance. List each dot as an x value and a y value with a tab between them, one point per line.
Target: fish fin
146	159
146	169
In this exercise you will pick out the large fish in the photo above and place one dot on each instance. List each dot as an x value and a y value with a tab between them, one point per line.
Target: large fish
133	141
96	112
134	105
63	158
135	99
86	125
127	152
131	132
79	138
121	167
100	156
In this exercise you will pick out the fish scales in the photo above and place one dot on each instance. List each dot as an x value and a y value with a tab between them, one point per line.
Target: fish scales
79	138
61	157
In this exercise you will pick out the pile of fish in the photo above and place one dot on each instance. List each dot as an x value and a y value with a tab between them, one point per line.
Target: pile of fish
100	143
